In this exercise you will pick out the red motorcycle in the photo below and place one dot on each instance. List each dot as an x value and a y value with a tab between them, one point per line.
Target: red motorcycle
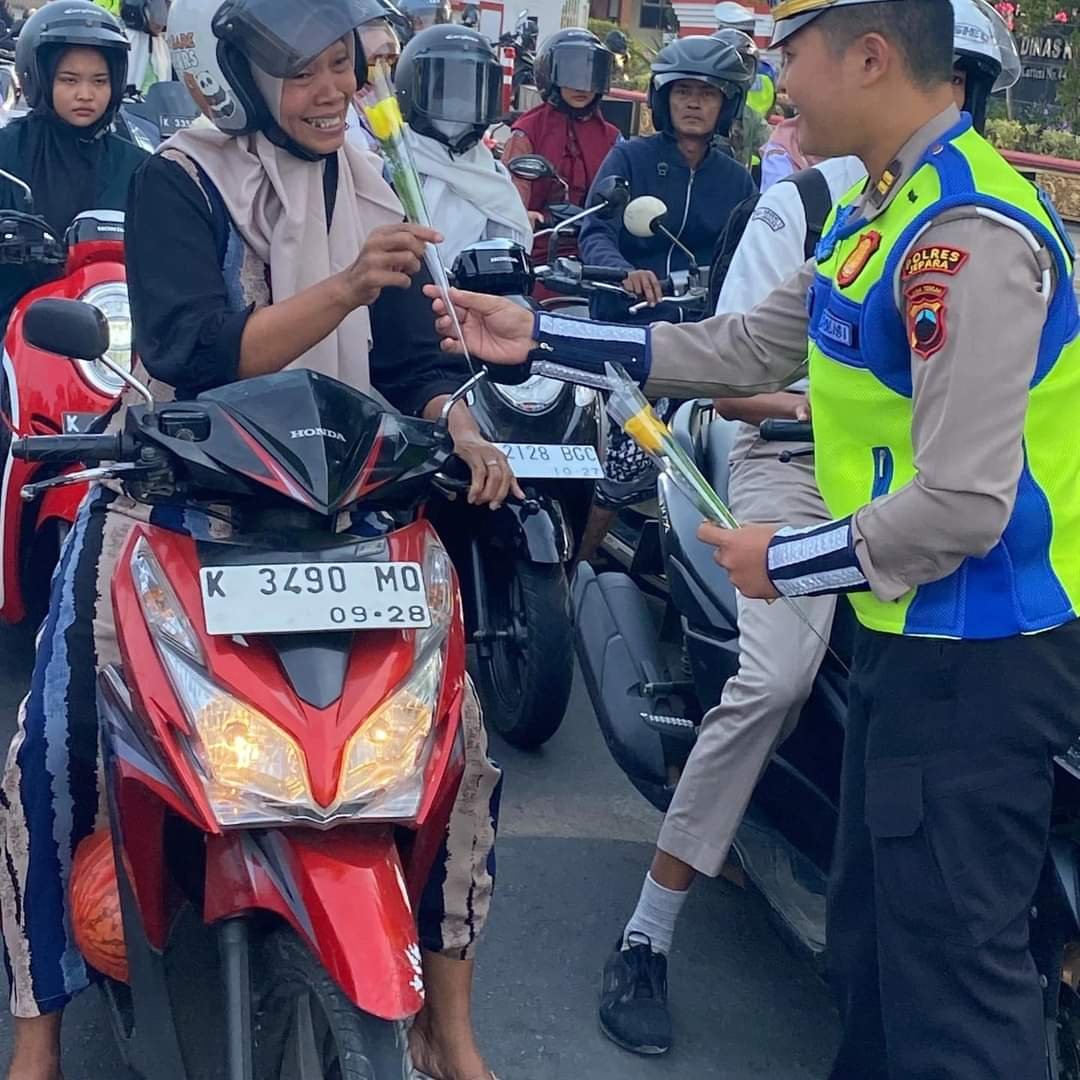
41	394
282	740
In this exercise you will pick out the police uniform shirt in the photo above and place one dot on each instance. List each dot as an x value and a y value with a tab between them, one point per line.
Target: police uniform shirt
969	397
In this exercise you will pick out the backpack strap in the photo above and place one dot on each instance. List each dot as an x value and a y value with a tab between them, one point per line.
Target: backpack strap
817	202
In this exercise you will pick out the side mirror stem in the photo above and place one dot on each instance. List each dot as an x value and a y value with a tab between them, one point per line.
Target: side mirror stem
130	379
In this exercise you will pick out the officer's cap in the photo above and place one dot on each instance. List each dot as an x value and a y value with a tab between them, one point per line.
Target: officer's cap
791	15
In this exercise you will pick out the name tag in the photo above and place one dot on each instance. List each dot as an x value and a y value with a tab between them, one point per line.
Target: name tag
836	329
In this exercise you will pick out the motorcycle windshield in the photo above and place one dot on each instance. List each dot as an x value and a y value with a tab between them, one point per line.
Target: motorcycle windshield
282	36
581	69
464	91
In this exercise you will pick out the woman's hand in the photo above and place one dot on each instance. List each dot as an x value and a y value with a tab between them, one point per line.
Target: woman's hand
392	254
492	477
536	220
495	329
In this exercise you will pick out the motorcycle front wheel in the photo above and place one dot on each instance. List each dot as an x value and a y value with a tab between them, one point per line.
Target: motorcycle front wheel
307	1029
525	680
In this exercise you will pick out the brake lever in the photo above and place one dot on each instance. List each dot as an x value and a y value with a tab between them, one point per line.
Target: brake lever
84	476
685	298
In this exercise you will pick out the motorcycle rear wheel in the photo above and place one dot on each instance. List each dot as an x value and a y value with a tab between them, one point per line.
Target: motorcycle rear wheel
307	1029
525	682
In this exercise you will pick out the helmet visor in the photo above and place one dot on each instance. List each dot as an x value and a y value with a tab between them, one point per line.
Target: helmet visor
576	68
282	37
461	90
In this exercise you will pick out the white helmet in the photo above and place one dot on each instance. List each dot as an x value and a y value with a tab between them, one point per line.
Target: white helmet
731	15
981	34
216	43
985	51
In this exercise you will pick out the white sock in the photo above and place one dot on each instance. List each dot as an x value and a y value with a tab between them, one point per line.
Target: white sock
655	915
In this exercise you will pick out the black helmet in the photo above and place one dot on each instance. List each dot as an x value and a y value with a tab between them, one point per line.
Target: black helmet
449	84
720	60
65	24
424	13
573	58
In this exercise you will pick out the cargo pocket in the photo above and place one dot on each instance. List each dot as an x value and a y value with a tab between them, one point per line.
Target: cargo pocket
958	854
909	881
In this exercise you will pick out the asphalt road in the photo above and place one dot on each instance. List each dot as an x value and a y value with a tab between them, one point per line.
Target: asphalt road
574	844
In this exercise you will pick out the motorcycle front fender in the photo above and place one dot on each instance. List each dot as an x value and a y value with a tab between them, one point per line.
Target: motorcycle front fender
343	891
61	504
540	532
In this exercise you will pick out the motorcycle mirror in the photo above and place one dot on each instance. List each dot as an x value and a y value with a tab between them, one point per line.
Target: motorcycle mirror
68	328
27	194
644	216
531	167
612	193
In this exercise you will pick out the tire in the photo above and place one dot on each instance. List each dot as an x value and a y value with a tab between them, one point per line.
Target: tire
307	1029
525	684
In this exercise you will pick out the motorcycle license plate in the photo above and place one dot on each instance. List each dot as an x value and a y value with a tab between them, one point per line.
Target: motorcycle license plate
539	460
171	124
291	598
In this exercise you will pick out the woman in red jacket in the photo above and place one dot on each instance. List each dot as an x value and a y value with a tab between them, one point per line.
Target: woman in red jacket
573	72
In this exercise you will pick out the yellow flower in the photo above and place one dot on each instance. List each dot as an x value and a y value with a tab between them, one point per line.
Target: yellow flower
647	430
385	119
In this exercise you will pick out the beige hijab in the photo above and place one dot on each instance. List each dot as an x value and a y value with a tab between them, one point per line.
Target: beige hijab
276	202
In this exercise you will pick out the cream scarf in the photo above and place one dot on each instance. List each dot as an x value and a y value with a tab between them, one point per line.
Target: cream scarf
276	202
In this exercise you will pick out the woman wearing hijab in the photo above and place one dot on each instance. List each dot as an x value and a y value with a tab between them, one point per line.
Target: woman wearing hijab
260	243
72	62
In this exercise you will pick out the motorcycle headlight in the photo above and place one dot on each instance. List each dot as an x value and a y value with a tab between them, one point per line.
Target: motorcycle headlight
584	397
391	745
534	395
111	299
253	772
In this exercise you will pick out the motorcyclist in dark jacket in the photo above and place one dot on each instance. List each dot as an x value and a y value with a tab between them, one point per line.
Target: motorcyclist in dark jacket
698	87
72	63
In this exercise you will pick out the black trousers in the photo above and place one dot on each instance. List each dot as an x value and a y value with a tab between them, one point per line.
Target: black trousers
944	820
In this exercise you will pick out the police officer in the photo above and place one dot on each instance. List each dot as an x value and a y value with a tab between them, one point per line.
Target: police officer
945	391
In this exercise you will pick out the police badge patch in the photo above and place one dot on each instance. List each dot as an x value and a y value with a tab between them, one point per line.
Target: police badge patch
936	260
926	318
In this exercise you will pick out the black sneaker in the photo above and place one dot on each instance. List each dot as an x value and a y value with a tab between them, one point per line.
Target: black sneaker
633	998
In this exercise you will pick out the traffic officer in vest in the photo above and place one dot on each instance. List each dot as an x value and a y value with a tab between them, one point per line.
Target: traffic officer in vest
945	391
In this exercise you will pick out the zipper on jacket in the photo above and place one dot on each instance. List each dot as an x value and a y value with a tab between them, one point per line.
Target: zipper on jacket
883	471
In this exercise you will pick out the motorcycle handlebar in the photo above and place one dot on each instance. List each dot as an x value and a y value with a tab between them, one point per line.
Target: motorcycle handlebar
787	430
608	274
69	449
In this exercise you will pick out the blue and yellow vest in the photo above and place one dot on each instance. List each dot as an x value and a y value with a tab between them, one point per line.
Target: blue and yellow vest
861	396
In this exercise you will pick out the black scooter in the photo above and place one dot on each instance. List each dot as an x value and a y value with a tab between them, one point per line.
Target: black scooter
514	561
653	669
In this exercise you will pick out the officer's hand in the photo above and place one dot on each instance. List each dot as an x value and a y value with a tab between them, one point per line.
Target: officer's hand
743	553
643	283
